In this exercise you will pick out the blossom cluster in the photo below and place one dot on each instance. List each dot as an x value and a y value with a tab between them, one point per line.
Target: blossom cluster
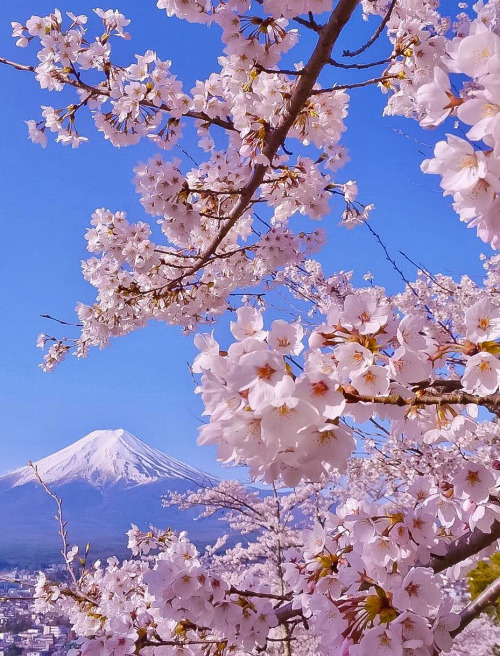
168	605
397	381
366	579
436	62
296	421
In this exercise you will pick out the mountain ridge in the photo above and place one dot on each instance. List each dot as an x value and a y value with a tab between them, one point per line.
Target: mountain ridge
104	458
107	481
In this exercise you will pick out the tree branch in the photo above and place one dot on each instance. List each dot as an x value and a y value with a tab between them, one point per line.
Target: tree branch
491	402
476	607
97	91
376	34
319	58
468	545
355	85
359	67
18	67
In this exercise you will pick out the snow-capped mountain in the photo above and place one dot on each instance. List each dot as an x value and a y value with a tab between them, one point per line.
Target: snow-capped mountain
108	457
107	480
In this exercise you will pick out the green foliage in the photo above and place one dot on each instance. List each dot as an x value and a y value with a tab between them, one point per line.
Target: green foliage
481	577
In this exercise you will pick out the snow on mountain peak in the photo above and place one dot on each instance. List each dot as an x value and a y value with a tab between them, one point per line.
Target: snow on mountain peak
109	457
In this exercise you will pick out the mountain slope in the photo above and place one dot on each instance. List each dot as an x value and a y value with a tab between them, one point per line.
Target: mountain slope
107	457
107	480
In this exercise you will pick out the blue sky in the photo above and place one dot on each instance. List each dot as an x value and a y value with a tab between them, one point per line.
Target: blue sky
142	382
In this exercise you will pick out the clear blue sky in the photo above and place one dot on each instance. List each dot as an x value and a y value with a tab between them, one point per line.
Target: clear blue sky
142	382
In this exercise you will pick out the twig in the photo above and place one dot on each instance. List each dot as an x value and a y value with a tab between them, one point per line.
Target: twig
355	85
376	34
62	524
16	65
64	323
480	603
359	67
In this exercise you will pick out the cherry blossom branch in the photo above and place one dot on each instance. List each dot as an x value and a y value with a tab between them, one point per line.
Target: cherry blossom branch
319	58
337	64
17	66
281	71
62	524
356	85
310	24
287	612
260	595
491	402
487	597
375	36
97	91
64	323
465	546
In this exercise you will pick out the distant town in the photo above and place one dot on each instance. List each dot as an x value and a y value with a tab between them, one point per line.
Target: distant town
24	632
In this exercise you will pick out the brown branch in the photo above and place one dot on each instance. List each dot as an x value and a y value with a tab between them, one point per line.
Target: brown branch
359	67
287	612
487	597
465	546
355	85
491	402
97	91
376	34
261	595
319	58
17	66
311	25
281	71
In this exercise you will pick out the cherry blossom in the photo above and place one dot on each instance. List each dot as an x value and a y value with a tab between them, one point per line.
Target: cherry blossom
379	409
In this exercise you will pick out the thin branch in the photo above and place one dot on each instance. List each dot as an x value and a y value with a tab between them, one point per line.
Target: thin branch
376	34
311	25
261	595
406	281
359	67
281	71
64	323
487	597
465	546
98	91
17	66
491	401
355	85
62	524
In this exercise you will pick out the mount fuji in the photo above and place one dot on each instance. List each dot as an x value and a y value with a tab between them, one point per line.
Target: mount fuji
107	480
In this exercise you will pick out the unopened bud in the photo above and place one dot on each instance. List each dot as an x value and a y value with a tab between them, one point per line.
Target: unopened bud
470	349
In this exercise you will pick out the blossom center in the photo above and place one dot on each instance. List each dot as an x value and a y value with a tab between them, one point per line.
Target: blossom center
483	323
413	589
265	372
319	389
473	477
369	377
469	161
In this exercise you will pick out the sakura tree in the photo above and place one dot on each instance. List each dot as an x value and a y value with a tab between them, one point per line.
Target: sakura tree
393	399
